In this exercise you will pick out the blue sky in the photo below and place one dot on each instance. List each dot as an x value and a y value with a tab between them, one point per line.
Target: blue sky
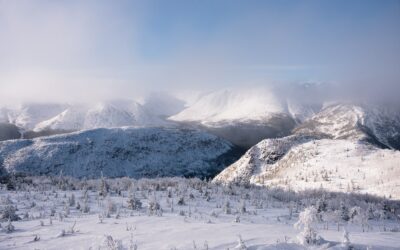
129	47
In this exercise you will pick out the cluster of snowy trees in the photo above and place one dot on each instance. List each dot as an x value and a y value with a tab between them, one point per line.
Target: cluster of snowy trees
55	198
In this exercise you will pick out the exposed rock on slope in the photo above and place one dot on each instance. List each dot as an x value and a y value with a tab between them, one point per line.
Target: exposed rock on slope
134	152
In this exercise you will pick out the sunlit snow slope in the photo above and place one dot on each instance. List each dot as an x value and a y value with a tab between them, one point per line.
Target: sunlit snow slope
243	116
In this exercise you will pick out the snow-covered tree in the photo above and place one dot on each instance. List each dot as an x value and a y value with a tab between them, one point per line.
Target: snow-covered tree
308	235
8	213
227	207
133	202
346	244
9	228
103	189
240	245
344	211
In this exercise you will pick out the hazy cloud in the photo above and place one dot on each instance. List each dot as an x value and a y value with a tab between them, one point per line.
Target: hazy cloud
91	50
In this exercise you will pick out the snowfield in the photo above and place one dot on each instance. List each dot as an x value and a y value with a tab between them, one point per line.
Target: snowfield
63	213
134	152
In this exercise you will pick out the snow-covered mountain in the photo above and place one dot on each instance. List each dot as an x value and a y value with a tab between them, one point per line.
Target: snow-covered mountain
335	165
232	105
373	123
26	116
341	143
102	115
243	116
134	152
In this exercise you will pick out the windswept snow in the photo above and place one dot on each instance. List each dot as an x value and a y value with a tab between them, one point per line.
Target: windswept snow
232	105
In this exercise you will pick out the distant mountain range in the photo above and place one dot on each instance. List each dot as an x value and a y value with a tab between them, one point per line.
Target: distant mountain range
291	142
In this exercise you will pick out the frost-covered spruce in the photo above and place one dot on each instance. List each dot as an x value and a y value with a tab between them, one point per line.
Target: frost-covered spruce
8	213
103	188
344	211
9	228
71	200
346	244
133	202
308	235
227	207
154	208
241	245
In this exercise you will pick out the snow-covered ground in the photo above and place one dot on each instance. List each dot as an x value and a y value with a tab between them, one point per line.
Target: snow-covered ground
186	214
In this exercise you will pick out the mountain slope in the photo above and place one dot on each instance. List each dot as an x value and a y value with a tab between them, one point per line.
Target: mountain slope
336	165
102	115
28	115
241	116
134	152
231	105
340	142
373	123
9	131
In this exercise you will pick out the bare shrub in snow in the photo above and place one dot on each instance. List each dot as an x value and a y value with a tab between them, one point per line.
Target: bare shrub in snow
112	244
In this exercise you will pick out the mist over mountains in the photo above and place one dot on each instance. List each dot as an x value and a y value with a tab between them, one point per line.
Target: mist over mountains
253	119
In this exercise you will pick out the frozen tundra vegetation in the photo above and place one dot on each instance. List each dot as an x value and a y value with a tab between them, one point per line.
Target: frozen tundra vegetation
177	213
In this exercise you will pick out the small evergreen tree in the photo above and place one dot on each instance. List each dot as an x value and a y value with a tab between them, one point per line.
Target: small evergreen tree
308	235
133	202
344	212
